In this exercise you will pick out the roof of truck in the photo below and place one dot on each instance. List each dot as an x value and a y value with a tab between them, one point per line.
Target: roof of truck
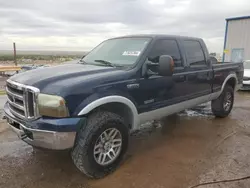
158	36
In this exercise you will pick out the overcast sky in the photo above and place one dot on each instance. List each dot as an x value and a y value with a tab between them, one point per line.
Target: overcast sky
82	24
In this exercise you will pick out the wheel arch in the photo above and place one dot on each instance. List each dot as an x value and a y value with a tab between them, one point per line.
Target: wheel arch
116	104
231	80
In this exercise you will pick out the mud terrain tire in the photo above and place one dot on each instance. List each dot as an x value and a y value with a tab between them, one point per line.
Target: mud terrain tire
222	106
83	152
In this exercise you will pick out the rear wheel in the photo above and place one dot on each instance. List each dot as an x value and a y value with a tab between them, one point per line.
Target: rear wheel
101	144
222	106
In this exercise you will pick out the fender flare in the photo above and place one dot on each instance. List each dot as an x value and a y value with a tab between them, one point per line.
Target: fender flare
109	99
227	78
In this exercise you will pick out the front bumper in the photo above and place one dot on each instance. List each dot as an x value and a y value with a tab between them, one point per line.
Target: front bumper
60	137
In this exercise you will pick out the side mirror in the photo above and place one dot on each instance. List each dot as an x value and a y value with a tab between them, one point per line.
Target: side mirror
166	65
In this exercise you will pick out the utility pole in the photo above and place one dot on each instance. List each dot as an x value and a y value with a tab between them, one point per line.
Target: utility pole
14	46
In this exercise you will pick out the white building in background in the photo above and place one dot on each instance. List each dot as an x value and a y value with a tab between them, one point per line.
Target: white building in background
237	39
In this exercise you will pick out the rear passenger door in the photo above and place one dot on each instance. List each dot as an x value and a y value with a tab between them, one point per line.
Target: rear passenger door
199	70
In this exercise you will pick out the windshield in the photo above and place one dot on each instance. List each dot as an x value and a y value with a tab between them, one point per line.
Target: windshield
117	52
247	65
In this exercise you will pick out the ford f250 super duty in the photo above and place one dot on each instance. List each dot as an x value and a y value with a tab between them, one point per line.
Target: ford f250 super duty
91	106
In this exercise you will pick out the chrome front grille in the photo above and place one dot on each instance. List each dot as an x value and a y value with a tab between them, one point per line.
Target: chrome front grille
22	100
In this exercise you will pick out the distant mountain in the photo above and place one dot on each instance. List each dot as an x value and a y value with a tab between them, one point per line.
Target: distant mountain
23	52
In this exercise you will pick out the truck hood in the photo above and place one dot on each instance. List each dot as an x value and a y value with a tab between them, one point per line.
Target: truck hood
247	72
44	76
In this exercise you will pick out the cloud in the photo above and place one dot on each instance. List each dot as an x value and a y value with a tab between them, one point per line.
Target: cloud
82	24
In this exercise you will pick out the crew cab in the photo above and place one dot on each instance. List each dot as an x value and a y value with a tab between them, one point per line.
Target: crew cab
90	107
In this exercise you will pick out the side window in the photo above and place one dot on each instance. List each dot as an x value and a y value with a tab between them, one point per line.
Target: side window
195	54
166	47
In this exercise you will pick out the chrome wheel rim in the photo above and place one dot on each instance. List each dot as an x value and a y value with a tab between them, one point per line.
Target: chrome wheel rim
108	146
228	101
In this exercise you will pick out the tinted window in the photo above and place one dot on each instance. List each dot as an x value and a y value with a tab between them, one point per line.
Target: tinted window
195	55
165	47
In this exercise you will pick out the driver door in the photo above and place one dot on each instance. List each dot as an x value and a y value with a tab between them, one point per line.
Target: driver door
160	91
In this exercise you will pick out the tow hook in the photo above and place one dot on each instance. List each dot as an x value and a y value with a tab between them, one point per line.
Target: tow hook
26	134
23	136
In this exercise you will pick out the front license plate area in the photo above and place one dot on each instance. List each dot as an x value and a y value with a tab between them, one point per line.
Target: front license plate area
13	123
10	121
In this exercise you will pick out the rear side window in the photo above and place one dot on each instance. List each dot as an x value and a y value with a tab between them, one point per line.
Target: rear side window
165	47
195	54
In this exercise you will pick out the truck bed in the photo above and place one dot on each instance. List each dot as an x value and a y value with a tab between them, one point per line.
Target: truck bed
223	69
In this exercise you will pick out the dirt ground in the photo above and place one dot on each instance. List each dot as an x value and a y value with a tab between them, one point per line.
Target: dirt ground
178	152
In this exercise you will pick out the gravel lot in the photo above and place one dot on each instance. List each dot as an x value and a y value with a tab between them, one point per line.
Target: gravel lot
180	151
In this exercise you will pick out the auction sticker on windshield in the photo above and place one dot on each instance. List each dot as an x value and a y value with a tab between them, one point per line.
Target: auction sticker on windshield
131	53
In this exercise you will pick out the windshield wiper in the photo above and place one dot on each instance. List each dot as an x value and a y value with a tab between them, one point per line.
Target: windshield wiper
82	61
105	62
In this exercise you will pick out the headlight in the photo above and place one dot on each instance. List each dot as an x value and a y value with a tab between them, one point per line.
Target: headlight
52	106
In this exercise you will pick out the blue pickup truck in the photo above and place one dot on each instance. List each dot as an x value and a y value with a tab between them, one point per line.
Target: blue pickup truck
90	107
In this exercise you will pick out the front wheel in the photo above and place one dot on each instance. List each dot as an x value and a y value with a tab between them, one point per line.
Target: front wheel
100	144
222	106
